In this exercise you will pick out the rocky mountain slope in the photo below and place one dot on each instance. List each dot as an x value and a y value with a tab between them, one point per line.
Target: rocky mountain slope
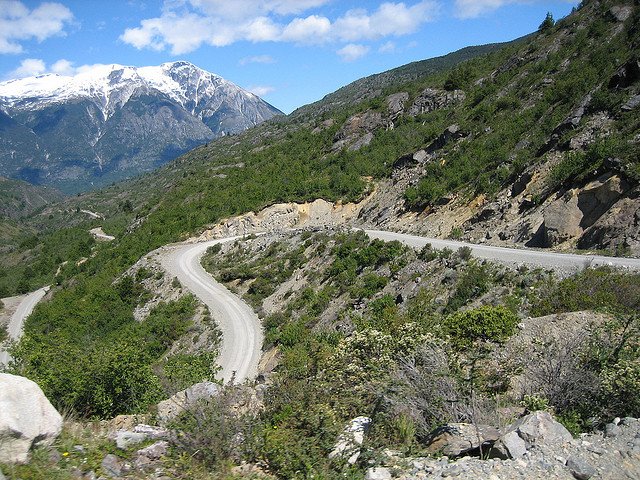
114	122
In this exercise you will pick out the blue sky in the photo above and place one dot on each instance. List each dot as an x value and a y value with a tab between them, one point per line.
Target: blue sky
290	52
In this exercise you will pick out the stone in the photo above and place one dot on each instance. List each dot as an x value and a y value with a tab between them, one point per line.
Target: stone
621	13
580	468
378	473
155	451
514	444
562	220
178	403
27	418
538	428
454	439
612	430
350	440
111	466
396	101
632	103
125	440
598	196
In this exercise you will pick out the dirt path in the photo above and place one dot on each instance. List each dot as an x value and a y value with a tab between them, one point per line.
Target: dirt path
23	310
241	329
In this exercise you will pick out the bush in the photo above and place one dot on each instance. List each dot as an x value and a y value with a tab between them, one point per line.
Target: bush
486	323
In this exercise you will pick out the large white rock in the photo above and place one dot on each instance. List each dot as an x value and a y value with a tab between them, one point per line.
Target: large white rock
27	418
350	440
173	407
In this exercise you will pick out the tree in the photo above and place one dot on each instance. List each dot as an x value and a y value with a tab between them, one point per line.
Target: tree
547	24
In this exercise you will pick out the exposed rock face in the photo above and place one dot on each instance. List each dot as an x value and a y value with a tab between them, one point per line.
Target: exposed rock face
620	228
562	220
577	210
174	406
396	102
357	127
286	215
350	440
538	428
27	418
451	134
432	99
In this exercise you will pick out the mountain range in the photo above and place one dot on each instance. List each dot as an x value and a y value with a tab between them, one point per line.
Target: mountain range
113	122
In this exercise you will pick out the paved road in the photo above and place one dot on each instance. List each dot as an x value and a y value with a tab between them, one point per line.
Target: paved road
14	328
533	258
241	331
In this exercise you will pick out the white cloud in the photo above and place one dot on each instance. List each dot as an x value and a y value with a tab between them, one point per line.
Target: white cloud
259	59
391	19
313	29
389	47
352	52
29	67
260	90
63	67
476	8
186	25
18	23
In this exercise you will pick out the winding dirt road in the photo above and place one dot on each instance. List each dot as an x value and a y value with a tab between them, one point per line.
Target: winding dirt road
514	256
14	328
241	329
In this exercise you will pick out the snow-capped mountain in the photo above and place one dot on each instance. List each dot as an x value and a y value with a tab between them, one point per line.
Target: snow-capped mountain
113	122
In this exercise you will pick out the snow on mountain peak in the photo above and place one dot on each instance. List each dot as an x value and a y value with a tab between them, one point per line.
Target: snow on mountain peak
112	85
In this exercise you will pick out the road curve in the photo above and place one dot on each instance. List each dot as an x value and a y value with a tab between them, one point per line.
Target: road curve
14	328
241	331
536	258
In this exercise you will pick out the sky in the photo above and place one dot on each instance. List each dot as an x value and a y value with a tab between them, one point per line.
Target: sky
289	52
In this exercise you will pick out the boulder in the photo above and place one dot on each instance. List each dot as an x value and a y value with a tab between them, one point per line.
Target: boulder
618	228
580	468
178	403
378	473
450	135
562	220
598	196
350	440
454	439
538	428
27	418
396	101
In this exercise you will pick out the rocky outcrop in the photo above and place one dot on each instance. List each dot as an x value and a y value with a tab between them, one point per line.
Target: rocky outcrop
619	230
286	215
431	99
579	209
596	455
27	418
536	429
358	130
454	439
172	407
350	440
451	134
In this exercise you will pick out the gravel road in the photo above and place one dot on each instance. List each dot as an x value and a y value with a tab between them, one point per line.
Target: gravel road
534	258
14	328
241	330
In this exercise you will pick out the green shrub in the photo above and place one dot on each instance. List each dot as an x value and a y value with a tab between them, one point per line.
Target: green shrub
485	323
